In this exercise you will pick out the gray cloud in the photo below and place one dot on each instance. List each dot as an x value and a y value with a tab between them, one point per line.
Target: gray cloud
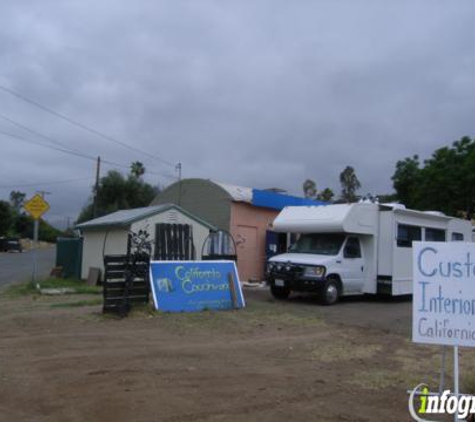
259	93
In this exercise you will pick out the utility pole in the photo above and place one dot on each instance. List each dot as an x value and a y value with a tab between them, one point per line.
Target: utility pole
178	169
96	188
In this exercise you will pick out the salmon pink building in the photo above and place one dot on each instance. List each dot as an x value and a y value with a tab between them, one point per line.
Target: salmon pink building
246	213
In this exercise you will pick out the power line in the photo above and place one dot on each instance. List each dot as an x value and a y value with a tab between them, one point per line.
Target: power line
167	176
81	125
76	153
35	132
113	164
65	150
80	154
57	182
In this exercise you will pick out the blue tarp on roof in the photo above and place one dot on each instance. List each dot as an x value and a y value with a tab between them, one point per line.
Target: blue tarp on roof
277	201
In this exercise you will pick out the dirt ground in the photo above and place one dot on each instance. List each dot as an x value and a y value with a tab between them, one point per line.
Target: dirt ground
62	360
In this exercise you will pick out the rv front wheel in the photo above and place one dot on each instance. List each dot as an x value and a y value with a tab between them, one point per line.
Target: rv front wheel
330	292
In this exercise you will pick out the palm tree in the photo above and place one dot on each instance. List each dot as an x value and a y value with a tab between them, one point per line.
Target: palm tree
137	169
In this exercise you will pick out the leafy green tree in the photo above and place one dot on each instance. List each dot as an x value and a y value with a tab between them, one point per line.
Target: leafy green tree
117	192
445	182
326	195
407	180
48	233
15	223
387	198
23	226
309	189
6	218
17	199
349	184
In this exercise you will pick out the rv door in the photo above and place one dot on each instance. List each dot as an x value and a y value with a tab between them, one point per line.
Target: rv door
352	268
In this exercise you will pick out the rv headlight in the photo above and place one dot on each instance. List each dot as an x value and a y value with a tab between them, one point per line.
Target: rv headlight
318	271
270	266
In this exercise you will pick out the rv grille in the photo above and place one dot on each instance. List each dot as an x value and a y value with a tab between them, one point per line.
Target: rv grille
288	269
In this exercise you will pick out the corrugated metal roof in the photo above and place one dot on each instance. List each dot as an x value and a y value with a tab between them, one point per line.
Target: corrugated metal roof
256	197
237	193
126	217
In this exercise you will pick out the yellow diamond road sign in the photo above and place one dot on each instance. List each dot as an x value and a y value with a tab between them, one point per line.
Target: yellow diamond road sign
36	206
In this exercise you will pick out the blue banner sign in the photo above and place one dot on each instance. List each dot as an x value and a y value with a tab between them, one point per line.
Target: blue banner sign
189	286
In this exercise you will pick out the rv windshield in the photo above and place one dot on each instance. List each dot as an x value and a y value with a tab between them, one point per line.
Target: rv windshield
320	244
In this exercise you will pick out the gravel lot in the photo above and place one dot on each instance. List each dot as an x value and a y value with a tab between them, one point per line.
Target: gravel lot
62	360
392	315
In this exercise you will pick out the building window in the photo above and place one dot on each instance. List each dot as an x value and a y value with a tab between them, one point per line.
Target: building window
457	237
407	234
435	235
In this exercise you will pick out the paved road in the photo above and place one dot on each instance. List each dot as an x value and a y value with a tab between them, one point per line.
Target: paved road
18	266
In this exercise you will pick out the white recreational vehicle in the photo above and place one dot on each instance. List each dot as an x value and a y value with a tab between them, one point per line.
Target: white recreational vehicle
355	248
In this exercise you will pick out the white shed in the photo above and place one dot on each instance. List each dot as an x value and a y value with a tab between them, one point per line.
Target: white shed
107	235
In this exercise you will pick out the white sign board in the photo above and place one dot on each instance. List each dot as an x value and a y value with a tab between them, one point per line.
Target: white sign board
443	309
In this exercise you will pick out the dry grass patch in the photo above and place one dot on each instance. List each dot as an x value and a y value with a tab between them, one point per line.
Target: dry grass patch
343	349
256	315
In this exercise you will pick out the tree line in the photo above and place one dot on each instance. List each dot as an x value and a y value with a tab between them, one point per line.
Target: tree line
116	191
349	186
444	182
14	222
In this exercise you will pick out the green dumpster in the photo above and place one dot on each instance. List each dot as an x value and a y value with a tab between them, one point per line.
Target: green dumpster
69	256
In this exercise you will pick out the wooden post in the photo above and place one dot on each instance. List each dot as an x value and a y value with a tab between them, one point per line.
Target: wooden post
456	379
232	289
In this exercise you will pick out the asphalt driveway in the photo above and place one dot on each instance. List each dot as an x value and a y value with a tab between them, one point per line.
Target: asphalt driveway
16	267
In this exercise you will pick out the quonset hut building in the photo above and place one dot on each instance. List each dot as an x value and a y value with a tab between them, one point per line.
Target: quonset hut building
246	213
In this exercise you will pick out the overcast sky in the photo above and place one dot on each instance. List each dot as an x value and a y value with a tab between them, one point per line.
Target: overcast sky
256	93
